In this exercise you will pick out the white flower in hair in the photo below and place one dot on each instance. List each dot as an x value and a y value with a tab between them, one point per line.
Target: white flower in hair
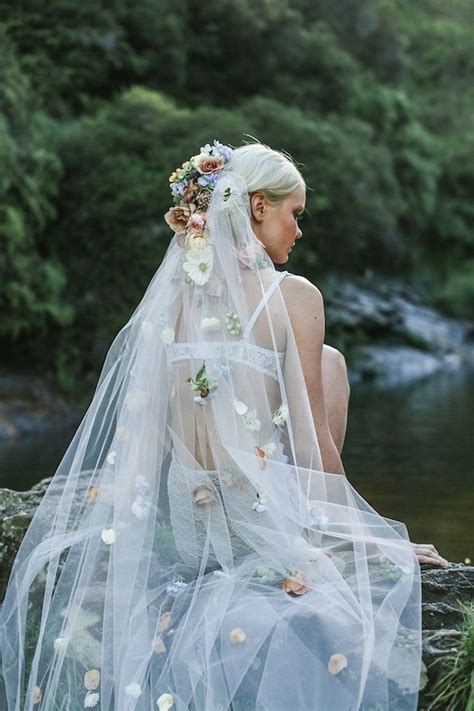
198	265
210	323
195	242
134	690
109	536
167	336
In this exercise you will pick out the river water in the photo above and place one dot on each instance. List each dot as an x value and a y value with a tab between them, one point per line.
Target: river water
408	452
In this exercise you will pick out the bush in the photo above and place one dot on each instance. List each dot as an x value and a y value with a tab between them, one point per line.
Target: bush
456	295
31	279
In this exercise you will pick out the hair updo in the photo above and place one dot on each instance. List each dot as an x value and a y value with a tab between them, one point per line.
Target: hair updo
266	170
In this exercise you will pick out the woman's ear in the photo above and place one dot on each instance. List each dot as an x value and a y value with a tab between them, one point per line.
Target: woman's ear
258	205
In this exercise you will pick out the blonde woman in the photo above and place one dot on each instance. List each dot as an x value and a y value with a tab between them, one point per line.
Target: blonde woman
200	547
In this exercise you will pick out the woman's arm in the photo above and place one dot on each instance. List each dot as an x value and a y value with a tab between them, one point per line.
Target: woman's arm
305	307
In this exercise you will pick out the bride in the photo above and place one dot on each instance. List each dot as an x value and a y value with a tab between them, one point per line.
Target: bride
200	547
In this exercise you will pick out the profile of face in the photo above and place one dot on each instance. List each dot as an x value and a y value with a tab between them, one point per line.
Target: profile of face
276	226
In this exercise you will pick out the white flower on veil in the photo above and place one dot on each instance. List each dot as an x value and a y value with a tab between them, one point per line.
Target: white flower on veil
280	416
251	421
92	679
139	511
165	702
134	690
237	636
336	663
233	324
167	336
261	504
111	457
121	432
91	700
109	536
240	407
59	644
210	323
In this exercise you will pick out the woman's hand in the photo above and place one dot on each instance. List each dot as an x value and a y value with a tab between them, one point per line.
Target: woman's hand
427	553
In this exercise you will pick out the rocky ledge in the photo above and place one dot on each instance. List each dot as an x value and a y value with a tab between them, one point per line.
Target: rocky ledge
443	589
388	332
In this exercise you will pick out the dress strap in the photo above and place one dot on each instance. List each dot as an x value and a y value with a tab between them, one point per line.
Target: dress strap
261	304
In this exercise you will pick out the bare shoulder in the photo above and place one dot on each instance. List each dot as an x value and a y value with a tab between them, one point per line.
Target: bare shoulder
302	298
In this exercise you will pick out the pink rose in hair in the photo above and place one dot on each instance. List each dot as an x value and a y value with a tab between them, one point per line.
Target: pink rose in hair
196	224
178	217
207	164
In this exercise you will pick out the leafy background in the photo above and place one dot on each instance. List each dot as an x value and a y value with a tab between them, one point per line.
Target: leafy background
99	102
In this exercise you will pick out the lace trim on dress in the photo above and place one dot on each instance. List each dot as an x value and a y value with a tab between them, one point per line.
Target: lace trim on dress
262	359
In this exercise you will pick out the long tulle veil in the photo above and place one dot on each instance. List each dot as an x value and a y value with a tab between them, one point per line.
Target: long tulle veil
190	551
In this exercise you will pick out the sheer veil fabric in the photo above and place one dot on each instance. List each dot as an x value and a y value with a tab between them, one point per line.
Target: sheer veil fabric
190	552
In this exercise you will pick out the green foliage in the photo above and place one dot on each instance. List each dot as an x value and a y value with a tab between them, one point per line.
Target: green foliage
74	52
31	280
456	294
450	234
99	103
354	194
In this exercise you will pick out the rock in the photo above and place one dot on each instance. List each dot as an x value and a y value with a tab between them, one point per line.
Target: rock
388	334
16	511
390	366
443	589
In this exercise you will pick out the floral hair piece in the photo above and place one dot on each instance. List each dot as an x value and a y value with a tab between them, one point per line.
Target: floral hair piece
191	187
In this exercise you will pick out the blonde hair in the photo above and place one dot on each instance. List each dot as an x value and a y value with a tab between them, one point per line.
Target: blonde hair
266	170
